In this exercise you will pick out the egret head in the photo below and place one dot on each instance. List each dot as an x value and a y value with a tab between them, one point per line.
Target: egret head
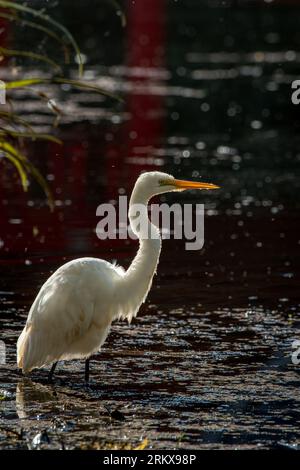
155	182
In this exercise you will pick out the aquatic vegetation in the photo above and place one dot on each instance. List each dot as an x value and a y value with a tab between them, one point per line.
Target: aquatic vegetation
15	7
13	128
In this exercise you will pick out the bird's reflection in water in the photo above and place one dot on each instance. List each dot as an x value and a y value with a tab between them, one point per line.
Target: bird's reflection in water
30	395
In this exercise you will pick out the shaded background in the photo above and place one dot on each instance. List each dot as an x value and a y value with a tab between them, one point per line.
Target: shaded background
207	94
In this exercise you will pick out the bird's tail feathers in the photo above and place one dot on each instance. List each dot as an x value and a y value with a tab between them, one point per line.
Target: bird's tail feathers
22	348
27	347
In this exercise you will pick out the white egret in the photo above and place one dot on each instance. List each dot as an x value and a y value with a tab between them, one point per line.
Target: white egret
72	313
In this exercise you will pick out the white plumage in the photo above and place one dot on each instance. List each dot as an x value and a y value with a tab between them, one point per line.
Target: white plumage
72	313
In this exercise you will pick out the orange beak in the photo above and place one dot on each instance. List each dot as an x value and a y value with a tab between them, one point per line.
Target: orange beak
181	184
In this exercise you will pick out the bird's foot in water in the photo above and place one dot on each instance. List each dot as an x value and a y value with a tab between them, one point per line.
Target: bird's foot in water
51	373
87	371
87	386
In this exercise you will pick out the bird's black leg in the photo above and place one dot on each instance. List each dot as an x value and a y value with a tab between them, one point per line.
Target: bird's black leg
87	370
50	376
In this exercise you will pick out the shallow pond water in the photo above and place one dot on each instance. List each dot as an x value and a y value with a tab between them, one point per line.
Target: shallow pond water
204	365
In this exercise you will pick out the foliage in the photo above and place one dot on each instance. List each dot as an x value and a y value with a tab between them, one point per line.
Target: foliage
13	128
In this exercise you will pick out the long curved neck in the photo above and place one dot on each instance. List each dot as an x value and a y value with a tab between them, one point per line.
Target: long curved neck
145	262
138	278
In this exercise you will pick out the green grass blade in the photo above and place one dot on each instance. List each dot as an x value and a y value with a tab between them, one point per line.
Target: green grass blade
17	165
87	86
75	83
25	82
30	135
49	20
39	27
119	10
25	163
31	55
14	118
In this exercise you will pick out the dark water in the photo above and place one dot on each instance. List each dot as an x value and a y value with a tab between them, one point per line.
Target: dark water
207	363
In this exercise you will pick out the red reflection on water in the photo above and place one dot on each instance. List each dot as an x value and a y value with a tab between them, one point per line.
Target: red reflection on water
145	128
146	39
86	170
